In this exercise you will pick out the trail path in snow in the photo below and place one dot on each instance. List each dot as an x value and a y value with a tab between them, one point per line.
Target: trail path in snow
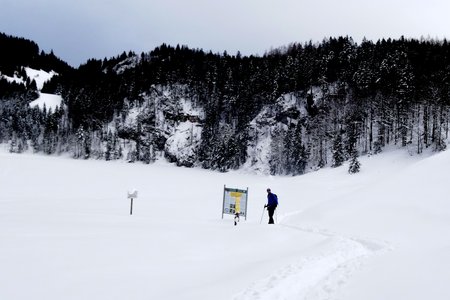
317	276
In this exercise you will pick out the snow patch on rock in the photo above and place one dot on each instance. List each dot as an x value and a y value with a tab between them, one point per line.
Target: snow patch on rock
181	147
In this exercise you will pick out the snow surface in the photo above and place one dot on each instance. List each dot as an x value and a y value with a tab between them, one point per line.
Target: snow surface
15	79
50	101
40	76
66	232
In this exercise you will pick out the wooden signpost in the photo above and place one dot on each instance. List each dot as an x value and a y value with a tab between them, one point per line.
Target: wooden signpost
131	195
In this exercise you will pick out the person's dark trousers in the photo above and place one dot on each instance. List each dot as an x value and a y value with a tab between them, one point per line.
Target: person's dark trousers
271	210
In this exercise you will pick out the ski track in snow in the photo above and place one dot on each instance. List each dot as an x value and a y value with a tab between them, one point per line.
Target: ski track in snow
319	276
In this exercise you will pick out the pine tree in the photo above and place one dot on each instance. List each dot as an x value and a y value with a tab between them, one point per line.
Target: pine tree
13	145
109	146
338	151
354	165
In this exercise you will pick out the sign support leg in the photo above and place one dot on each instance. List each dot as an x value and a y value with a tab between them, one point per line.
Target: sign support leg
131	207
223	203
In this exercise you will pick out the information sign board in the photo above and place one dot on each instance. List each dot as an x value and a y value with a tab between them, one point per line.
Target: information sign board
235	202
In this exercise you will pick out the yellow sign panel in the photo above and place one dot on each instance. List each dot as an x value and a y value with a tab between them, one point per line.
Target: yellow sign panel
238	205
237	199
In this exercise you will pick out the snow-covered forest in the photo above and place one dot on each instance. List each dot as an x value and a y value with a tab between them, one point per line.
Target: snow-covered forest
292	110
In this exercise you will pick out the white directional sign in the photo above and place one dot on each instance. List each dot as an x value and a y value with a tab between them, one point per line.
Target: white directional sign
133	194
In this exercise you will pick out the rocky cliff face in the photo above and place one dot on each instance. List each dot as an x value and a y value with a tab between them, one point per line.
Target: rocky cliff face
168	120
287	111
167	123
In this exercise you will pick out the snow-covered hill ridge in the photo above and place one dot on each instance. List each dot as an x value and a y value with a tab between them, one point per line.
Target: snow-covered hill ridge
40	77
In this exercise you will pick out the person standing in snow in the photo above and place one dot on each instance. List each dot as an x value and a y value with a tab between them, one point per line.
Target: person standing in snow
272	203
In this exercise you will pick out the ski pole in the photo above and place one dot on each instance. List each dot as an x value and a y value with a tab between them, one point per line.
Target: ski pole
262	214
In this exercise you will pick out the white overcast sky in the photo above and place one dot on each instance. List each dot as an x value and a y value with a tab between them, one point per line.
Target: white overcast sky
80	29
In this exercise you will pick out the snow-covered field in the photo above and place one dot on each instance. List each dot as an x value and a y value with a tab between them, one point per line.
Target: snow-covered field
66	232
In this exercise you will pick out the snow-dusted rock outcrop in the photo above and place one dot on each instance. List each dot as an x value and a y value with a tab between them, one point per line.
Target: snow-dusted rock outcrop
167	120
128	63
288	109
181	147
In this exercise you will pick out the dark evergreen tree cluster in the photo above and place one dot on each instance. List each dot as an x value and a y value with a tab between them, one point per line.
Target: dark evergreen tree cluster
16	53
358	98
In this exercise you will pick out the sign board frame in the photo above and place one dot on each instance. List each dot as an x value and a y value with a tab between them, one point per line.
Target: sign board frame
229	206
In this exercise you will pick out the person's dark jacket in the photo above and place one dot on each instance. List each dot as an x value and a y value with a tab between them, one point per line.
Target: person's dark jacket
272	200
